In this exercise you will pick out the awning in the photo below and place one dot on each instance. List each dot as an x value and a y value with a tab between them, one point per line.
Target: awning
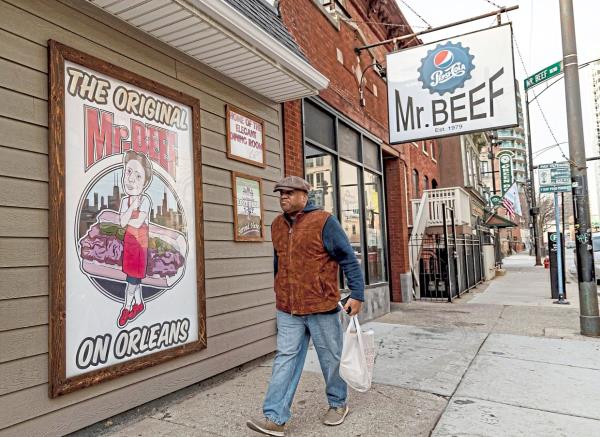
225	36
495	220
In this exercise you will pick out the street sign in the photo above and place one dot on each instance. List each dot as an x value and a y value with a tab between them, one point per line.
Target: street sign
555	177
496	200
543	75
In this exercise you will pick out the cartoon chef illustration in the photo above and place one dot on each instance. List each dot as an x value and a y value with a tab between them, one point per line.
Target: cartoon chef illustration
134	214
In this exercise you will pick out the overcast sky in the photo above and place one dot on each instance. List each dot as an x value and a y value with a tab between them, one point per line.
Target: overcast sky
536	27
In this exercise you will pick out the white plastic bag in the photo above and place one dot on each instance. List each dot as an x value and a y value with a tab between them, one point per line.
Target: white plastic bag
358	356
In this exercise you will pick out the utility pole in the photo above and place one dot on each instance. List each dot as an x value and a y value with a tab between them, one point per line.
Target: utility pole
589	318
533	202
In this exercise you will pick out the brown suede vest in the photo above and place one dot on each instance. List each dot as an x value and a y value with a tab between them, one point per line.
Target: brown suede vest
307	277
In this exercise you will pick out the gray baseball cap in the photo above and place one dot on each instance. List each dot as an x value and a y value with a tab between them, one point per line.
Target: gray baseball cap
292	183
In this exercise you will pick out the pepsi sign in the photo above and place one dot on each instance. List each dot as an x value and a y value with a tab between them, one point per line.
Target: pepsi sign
453	87
445	68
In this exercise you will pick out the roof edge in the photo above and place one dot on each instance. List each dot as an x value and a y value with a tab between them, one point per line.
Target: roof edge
227	16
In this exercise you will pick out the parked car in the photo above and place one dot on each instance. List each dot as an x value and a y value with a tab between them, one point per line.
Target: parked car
572	268
596	246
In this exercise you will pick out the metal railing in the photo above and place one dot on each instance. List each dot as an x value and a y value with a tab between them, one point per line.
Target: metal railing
448	265
455	198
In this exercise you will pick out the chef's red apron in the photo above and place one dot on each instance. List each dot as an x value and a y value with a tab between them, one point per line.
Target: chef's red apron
135	248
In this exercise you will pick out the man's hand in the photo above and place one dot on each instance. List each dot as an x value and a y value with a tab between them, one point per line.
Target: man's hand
354	306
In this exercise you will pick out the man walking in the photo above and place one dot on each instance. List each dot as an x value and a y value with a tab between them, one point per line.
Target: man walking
309	246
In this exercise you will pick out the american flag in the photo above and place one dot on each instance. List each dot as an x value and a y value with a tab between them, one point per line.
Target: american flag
510	209
511	201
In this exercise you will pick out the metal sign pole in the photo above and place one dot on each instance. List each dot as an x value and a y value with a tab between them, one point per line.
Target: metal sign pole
589	319
531	188
561	291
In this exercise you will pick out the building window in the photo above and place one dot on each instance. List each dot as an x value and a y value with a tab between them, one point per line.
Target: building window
425	147
349	142
375	242
470	175
350	206
319	170
433	150
346	179
415	181
434	184
319	125
371	154
336	7
425	183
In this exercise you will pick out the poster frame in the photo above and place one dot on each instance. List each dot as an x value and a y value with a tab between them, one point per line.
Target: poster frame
230	108
234	176
59	384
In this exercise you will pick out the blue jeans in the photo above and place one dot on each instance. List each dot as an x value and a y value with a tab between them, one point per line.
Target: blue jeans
293	333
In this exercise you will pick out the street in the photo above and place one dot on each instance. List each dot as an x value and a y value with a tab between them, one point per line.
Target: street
499	361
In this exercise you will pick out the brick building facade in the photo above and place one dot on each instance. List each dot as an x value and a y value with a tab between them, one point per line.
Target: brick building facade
328	36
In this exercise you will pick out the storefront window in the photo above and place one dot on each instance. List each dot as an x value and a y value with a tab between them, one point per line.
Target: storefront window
371	154
349	141
319	125
319	167
340	188
350	206
375	243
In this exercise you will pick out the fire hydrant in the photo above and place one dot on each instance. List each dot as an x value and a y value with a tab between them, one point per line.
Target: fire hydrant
547	263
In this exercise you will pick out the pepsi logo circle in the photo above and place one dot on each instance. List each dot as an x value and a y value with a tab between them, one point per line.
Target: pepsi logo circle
445	68
443	59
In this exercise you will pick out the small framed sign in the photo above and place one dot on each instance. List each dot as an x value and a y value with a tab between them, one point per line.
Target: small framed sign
246	137
247	208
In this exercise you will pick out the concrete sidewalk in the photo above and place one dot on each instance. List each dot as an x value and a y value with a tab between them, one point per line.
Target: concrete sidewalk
500	361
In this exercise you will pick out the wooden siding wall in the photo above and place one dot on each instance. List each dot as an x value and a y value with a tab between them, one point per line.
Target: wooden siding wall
240	297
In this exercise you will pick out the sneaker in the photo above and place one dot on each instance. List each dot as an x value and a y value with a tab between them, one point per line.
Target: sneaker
265	426
335	416
136	310
123	318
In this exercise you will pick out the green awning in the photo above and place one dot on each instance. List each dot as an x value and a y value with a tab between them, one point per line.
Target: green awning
495	220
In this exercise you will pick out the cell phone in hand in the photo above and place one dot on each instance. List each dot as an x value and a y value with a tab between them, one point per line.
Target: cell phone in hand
343	303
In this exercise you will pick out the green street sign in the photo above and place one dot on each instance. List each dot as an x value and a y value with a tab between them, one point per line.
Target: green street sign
555	177
506	170
543	75
496	200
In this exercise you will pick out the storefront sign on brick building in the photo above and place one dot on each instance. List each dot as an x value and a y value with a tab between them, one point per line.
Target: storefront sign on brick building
126	248
452	87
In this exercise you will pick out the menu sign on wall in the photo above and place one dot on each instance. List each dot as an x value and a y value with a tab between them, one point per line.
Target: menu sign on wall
127	258
245	137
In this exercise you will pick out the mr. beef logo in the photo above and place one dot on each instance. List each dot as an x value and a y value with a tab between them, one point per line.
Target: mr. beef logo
104	138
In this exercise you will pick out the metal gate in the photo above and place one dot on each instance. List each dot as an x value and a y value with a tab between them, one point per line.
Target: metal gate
449	264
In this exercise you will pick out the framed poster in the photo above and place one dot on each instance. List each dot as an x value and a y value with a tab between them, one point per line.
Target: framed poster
126	241
248	215
246	137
